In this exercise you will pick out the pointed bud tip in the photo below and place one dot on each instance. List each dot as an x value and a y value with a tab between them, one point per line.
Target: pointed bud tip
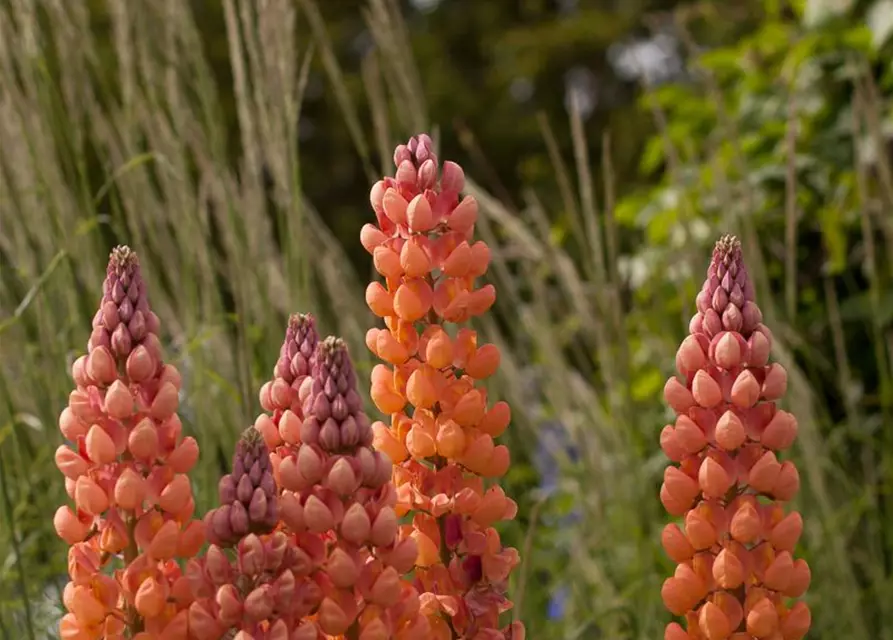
301	321
123	257
727	248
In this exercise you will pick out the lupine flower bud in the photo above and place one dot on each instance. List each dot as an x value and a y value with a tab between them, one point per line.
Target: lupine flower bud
124	471
248	495
423	247
735	570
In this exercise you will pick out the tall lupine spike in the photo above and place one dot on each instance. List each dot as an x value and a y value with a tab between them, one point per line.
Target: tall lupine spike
444	446
125	468
340	490
269	587
736	572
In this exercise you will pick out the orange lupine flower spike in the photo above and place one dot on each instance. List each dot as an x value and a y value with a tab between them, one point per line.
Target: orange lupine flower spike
269	586
736	573
442	425
126	470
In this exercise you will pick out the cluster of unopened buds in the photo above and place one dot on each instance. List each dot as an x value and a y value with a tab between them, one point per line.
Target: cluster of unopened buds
442	426
736	573
125	467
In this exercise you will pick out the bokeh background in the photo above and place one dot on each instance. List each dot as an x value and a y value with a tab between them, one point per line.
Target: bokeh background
609	142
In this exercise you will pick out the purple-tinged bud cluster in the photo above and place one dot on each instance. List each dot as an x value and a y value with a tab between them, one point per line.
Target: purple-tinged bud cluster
726	301
727	314
298	348
333	408
124	320
248	496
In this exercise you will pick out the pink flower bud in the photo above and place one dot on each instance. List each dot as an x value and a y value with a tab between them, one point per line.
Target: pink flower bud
192	538
678	396
356	526
202	624
151	597
386	589
257	507
341	478
143	440
690	357
85	606
281	394
165	402
775	383
730	433
266	399
83	407
781	431
227	598
745	390
713	479
759	346
371	237
119	401
71	426
184	457
217	565
330	436
727	353
309	464
706	390
310	430
176	494
403	556
140	364
251	555
384	529
69	527
764	473
289	428
238	519
70	463
130	490
121	341
452	178
90	497
99	446
787	485
259	603
289	476
419	216
100	366
464	216
318	516
332	618
342	569
164	543
79	372
268	431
